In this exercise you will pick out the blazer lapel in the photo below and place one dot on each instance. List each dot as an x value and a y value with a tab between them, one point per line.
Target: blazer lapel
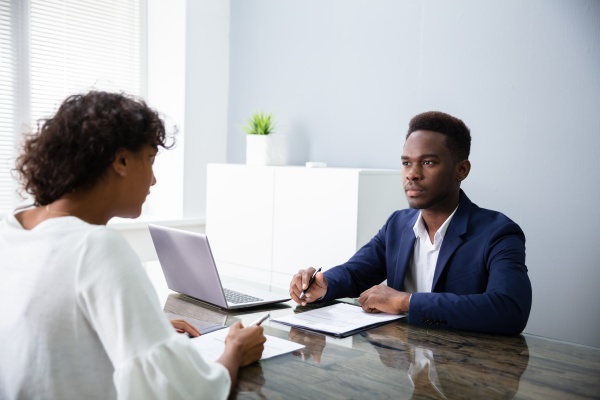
451	242
405	251
452	238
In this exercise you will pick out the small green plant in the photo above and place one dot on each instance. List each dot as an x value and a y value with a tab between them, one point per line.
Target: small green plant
260	123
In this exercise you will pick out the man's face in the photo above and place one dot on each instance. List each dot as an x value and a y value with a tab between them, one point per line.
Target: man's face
431	177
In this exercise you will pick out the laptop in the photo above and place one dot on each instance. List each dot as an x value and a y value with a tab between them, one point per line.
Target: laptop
189	268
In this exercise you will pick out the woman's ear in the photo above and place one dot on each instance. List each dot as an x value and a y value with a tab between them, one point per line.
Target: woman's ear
121	162
463	169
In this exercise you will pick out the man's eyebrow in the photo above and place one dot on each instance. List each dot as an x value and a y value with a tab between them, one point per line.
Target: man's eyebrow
421	156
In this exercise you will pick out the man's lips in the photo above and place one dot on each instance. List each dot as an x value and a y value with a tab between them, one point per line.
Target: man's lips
413	190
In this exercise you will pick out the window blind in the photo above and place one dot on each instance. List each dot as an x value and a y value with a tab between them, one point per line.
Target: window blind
78	45
8	102
73	46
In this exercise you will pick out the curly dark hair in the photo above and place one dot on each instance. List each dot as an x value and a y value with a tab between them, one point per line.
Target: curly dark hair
72	150
458	136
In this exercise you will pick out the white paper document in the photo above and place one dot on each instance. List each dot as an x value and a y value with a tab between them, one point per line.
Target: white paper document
339	319
212	345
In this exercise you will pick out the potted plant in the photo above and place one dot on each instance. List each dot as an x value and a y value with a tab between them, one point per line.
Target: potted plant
263	146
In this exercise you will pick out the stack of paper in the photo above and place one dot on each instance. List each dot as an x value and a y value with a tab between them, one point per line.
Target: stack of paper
340	320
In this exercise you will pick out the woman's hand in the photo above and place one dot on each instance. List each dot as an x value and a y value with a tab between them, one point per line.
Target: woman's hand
182	326
243	346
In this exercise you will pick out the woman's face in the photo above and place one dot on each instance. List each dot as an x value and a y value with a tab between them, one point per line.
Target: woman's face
139	179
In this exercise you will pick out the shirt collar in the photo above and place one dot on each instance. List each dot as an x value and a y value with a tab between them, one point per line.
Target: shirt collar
421	232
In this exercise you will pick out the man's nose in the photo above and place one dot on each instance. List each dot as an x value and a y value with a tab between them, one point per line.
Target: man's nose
413	173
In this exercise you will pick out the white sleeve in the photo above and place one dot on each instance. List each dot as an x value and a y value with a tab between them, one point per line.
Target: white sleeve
150	359
171	370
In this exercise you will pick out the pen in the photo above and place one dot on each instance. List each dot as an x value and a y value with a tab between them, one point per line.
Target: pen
310	282
260	320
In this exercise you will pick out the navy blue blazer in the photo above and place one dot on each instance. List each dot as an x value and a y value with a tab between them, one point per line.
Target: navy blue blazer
480	281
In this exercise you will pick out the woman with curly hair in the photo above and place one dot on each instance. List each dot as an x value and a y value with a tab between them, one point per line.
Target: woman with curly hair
80	318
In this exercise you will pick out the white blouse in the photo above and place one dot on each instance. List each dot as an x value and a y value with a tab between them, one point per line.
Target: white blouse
79	319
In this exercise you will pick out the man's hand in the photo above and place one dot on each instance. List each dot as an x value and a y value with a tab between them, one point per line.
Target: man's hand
300	282
382	298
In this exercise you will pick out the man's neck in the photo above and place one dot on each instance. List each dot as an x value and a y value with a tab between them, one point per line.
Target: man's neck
434	218
433	222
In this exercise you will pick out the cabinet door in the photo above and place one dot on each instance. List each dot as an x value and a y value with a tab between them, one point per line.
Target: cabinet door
239	215
314	219
380	194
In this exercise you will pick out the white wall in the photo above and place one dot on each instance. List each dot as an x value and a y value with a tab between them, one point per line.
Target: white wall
166	93
188	61
345	76
206	96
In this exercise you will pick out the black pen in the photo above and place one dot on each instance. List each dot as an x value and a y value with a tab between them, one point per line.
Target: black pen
310	282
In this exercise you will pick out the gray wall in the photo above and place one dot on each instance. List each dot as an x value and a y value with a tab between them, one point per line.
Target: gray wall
344	77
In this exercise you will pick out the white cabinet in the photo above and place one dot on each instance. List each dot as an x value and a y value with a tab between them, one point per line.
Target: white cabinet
266	223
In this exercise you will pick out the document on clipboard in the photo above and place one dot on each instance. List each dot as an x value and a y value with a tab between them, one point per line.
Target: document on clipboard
339	320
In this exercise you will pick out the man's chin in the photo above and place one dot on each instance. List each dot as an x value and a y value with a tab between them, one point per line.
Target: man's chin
418	205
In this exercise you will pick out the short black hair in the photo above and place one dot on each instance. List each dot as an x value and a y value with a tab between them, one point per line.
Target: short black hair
458	136
72	150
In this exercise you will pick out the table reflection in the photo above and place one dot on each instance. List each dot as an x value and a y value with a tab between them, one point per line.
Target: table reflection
459	369
250	381
314	342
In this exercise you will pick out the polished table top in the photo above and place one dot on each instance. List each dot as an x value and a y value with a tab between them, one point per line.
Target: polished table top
398	360
403	361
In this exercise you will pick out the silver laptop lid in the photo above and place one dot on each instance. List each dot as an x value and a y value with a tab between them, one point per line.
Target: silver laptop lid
189	268
187	263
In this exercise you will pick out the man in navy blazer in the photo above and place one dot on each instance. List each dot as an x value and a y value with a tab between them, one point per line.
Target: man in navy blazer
447	262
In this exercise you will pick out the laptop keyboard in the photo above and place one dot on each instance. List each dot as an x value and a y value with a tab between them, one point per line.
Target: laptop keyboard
236	297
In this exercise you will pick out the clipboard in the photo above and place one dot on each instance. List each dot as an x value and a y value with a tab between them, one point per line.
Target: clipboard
339	320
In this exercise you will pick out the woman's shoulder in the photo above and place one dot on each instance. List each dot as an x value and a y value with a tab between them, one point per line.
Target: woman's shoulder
106	242
105	254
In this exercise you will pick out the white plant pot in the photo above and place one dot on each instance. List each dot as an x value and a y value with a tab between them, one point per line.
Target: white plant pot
266	149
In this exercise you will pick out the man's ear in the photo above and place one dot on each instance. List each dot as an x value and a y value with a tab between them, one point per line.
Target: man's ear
463	169
121	162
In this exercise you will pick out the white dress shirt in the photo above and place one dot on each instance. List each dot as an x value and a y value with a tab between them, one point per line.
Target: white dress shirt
419	277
